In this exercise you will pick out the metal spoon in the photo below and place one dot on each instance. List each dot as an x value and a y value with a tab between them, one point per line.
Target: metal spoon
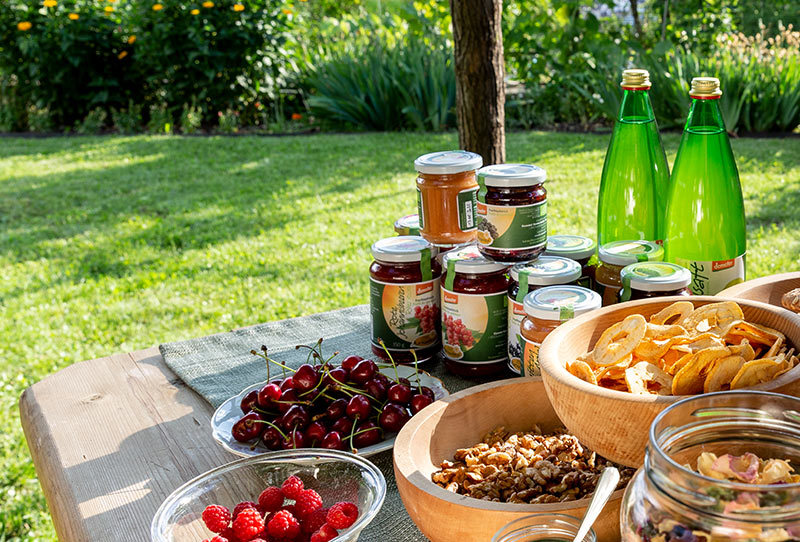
605	487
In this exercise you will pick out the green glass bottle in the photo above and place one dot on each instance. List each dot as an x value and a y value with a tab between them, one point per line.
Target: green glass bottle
635	181
705	224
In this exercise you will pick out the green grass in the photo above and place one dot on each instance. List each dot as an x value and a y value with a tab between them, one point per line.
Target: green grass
119	243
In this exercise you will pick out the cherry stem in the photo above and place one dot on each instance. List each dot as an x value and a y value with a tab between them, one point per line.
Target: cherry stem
416	370
383	345
278	429
352	429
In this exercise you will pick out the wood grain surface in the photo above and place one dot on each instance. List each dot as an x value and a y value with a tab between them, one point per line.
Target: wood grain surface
460	421
110	439
765	289
615	424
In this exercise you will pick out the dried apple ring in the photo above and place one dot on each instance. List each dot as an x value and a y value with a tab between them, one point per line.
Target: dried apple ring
645	378
677	311
619	340
722	373
714	317
755	372
582	370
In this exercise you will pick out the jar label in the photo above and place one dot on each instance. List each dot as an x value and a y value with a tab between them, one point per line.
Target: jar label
530	357
419	210
405	316
512	228
467	202
710	278
474	327
516	314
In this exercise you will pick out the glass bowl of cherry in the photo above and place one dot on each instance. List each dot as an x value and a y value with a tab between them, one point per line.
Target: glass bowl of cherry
201	509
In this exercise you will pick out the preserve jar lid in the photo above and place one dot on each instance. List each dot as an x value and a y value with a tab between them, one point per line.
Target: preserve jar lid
469	260
561	302
576	247
627	252
407	225
447	162
511	175
401	249
548	271
655	276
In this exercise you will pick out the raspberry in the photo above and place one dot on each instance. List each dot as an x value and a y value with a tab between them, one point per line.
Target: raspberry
325	533
307	502
216	518
219	538
342	515
227	536
242	506
292	509
248	524
292	487
316	520
283	525
270	499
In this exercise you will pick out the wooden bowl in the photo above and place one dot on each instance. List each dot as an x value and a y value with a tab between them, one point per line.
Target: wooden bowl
459	421
615	424
765	289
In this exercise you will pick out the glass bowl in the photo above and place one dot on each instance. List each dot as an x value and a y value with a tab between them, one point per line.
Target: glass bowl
544	528
336	476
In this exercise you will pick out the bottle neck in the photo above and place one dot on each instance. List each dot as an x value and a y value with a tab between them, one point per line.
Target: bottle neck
636	107
705	117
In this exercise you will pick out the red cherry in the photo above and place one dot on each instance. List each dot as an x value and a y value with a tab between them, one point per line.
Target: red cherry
358	407
418	402
315	433
371	435
393	417
249	401
305	378
267	396
332	441
350	361
249	427
399	393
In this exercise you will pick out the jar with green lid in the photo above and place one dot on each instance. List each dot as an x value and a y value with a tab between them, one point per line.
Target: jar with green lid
512	212
474	308
613	257
525	278
407	225
654	279
578	248
546	309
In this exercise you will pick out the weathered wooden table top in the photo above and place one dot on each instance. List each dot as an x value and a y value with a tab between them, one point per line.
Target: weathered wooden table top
110	439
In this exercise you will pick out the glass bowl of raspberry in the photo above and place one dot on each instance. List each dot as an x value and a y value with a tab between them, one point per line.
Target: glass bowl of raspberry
310	495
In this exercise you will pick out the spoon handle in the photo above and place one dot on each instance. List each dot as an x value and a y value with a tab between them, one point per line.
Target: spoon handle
605	487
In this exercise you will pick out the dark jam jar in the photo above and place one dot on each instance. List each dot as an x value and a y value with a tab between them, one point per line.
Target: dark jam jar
616	255
474	307
404	298
578	248
525	278
654	279
512	212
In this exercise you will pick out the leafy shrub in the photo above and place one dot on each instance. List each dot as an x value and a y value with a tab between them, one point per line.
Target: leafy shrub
127	121
94	122
39	120
228	121
191	119
160	120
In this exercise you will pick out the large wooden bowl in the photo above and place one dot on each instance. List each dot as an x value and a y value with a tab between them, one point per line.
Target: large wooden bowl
765	289
459	421
615	424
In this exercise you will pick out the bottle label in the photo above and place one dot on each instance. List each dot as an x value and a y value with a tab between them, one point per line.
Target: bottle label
419	209
710	278
516	313
530	357
474	327
404	315
512	228
466	203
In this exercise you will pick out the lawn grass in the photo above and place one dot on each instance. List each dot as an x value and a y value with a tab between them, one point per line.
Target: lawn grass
118	243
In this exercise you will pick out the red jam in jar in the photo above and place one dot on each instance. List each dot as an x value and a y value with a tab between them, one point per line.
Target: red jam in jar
525	278
474	307
654	279
404	298
512	212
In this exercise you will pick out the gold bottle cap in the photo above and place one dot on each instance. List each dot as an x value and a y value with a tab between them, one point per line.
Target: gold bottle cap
705	87
636	78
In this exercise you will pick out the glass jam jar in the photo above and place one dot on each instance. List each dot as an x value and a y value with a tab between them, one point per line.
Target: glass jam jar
447	191
654	279
668	500
474	307
407	225
578	248
527	277
543	528
512	212
404	298
546	309
613	257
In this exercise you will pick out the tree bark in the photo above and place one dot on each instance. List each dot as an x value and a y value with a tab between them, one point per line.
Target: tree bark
664	16
480	74
637	24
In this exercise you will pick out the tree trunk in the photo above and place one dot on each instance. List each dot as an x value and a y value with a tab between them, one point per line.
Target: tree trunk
480	73
637	24
664	16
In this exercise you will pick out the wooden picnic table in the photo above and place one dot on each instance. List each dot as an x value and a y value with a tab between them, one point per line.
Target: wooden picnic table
110	439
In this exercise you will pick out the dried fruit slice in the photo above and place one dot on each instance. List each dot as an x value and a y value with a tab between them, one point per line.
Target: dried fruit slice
582	370
677	312
692	376
700	342
645	379
743	349
661	332
714	317
680	364
755	372
722	373
619	340
652	350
